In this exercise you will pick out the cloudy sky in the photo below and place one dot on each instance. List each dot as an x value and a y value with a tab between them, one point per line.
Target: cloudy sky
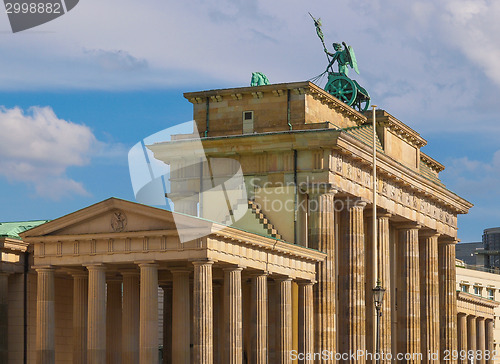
78	92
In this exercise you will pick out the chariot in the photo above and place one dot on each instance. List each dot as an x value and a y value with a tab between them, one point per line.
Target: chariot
347	91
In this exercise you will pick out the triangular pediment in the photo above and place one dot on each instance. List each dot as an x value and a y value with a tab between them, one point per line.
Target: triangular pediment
109	216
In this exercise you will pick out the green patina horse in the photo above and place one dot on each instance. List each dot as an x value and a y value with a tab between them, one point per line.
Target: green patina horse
259	79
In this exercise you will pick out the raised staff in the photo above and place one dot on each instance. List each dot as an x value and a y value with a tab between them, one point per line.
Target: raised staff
339	84
319	32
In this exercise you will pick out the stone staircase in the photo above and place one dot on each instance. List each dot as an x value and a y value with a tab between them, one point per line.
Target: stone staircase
259	215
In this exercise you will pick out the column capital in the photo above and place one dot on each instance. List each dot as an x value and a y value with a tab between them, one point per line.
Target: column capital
319	188
44	268
447	240
147	263
351	201
96	267
233	268
282	278
306	282
258	273
428	233
410	225
202	262
381	213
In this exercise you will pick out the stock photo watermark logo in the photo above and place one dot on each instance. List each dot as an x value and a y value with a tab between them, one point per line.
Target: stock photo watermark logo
171	167
27	14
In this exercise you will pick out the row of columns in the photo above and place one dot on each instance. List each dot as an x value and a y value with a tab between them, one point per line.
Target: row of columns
132	316
475	339
133	323
425	271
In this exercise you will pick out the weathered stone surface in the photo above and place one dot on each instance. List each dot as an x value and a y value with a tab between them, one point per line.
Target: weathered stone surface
80	308
96	324
130	317
409	299
45	317
233	315
148	318
322	238
447	298
259	319
352	309
429	294
203	313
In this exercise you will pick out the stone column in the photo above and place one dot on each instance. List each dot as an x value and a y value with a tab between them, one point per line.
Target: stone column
4	315
322	237
429	294
233	321
383	260
80	304
202	309
219	328
447	297
114	321
462	335
352	309
96	320
259	319
409	291
471	331
384	269
272	321
148	317
306	319
181	318
284	290
45	318
481	338
490	338
130	317
167	323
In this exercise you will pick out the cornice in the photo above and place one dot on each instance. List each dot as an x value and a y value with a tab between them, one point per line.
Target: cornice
277	90
402	175
268	243
399	128
13	244
432	163
480	301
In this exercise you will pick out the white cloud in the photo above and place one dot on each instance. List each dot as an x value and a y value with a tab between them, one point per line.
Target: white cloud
36	147
426	62
116	60
476	179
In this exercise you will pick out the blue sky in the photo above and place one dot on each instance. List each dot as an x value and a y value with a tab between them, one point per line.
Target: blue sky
78	92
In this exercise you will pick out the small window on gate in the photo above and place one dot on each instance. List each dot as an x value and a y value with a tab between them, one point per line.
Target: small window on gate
247	122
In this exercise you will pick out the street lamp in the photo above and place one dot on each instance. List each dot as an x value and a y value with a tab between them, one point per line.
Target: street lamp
378	298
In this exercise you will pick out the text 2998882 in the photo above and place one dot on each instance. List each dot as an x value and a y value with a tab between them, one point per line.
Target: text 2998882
33	8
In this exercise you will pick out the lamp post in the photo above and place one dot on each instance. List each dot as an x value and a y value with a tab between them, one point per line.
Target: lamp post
378	298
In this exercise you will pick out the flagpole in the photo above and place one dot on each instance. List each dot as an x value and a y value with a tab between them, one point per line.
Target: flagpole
374	187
